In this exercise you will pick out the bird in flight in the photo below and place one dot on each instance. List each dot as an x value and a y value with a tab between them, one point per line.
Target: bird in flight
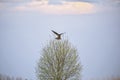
58	35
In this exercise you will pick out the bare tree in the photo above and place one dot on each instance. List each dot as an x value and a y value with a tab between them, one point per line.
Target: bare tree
59	61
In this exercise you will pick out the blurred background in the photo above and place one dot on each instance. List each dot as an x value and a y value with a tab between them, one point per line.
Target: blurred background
92	26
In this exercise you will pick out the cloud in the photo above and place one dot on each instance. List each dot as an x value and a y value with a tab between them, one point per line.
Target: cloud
3	6
9	1
63	8
92	1
7	5
117	2
59	6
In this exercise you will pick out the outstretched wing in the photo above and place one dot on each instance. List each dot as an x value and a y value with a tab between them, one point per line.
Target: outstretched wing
55	32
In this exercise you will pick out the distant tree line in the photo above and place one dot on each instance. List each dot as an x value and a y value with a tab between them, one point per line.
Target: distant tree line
6	77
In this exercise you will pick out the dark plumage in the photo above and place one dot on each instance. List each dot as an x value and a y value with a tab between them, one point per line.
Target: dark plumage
58	35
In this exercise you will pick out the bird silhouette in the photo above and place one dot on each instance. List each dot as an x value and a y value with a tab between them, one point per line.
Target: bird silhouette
58	35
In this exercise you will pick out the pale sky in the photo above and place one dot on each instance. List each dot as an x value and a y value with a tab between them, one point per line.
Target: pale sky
92	26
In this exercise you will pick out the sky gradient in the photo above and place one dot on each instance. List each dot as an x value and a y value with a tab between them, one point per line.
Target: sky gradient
92	26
